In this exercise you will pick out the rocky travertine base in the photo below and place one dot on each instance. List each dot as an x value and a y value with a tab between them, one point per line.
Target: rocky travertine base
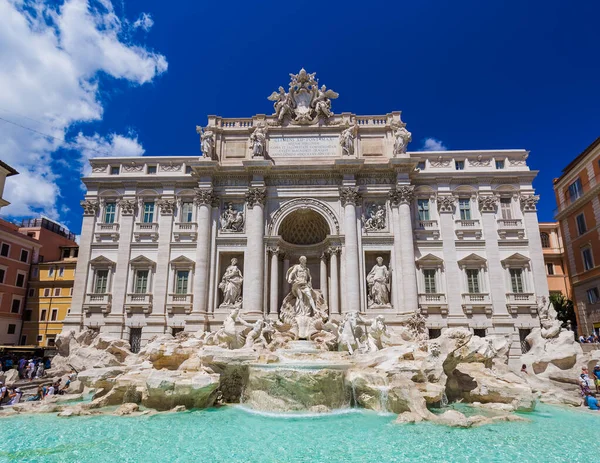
408	378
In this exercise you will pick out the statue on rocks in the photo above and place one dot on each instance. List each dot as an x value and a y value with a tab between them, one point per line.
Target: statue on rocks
232	220
547	314
227	336
231	285
349	332
258	141
378	281
417	327
376	330
402	138
303	307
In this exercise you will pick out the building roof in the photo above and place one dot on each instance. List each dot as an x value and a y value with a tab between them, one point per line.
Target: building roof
576	161
10	170
9	228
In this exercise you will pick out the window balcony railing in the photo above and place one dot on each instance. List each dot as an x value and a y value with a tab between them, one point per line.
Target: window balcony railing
145	230
435	301
107	231
511	228
186	230
470	228
516	301
427	229
180	301
476	302
138	301
97	302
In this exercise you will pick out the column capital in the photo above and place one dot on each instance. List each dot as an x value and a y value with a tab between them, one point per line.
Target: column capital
403	194
333	250
488	203
127	206
255	196
204	196
349	195
166	205
446	203
529	202
90	207
275	250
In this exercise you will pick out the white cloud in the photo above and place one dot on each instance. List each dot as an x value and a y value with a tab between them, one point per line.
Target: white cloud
144	21
432	144
51	57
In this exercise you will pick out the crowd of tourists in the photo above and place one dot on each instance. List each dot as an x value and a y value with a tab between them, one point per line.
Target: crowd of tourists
589	339
13	395
588	384
28	369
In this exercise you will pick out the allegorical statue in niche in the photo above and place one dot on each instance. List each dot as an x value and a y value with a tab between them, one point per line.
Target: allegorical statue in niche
375	218
231	285
378	281
232	220
347	139
402	138
283	104
207	143
258	141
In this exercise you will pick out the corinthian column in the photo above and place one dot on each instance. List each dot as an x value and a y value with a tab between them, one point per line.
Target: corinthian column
349	197
274	286
334	304
401	198
323	276
254	260
203	200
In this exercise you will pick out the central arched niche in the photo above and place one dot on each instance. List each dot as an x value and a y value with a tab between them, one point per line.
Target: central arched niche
304	227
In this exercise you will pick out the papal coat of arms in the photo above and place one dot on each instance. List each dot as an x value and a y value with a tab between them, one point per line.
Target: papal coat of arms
305	102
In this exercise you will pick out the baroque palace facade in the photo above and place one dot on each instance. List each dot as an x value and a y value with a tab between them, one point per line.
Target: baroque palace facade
174	243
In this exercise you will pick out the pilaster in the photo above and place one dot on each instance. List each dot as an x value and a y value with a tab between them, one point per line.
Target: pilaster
254	260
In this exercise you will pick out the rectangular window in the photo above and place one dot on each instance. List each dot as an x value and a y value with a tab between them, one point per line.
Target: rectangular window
110	210
2	275
176	331
12	329
588	261
4	250
31	292
592	295
575	190
473	281
24	340
500	164
148	212
70	291
43	315
28	314
459	165
20	280
46	292
516	280
187	212
581	226
54	315
151	170
50	342
56	292
51	272
434	333
429	275
421	165
550	268
141	281
61	272
75	252
40	338
188	169
66	253
135	339
423	207
181	283
114	170
101	282
506	208
464	205
479	332
35	272
24	255
16	306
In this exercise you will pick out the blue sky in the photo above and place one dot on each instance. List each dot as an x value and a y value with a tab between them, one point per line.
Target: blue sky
471	74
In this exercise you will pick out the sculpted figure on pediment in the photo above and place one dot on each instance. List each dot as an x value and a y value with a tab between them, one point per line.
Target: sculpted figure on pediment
283	104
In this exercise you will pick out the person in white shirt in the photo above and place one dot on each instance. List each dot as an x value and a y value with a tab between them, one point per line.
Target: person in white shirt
15	397
2	391
50	390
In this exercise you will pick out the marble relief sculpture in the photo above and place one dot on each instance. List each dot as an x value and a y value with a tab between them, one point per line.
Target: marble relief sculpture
378	281
347	139
374	218
258	141
232	219
402	138
231	286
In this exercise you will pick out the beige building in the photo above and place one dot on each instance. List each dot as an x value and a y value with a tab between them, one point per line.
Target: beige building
5	171
555	259
172	243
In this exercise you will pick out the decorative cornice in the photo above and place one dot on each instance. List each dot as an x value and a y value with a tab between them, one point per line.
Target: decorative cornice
256	196
167	206
203	196
528	202
349	195
127	206
90	207
488	203
402	195
446	203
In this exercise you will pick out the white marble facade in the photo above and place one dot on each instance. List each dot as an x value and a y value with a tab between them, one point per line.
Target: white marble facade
457	230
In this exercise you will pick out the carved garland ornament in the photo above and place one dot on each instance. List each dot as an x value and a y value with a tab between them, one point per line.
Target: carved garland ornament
440	162
402	195
528	202
170	167
204	196
488	203
349	195
167	206
133	167
127	206
90	207
255	196
480	162
446	203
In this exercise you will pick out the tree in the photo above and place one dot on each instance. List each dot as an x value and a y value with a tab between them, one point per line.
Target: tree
565	310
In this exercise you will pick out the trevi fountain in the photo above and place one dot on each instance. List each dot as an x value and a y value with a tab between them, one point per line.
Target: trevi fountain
303	381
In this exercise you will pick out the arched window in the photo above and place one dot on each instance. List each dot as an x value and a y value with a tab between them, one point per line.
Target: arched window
545	239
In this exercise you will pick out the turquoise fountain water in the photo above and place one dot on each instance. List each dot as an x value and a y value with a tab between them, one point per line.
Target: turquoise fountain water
234	435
